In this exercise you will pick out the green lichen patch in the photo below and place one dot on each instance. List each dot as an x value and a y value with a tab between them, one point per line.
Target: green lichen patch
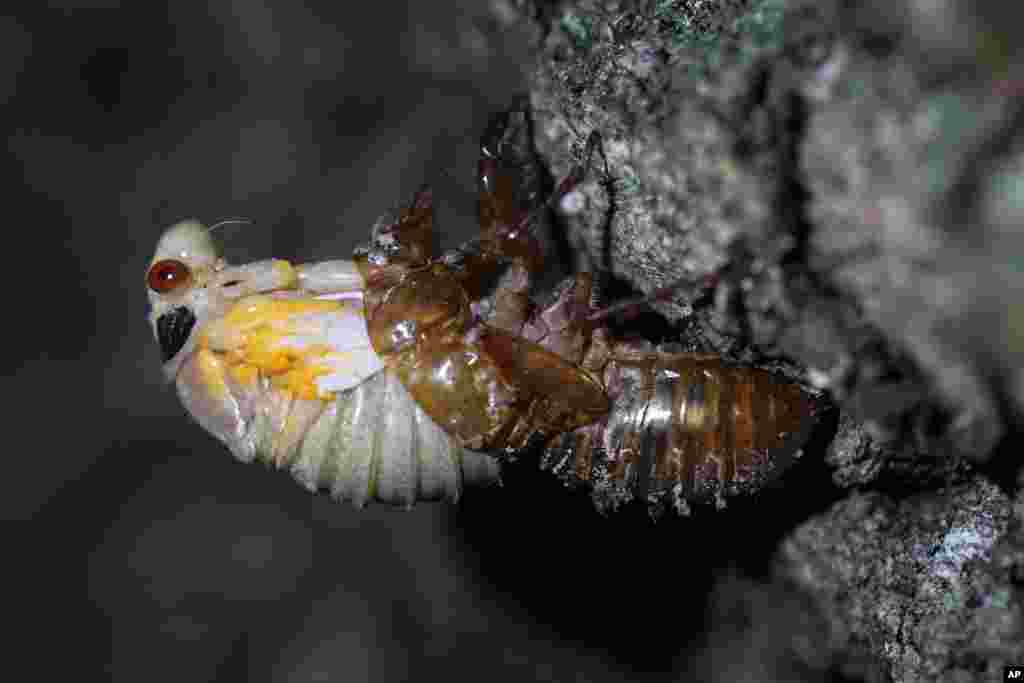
708	35
579	28
762	24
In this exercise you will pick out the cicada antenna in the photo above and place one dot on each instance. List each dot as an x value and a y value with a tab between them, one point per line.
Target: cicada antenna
230	221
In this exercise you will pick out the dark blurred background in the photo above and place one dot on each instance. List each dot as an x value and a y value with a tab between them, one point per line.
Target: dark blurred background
136	548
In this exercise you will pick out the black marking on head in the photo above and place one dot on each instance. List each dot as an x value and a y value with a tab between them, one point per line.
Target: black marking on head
173	329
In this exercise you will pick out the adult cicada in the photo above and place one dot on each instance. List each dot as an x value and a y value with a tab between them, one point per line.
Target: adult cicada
400	376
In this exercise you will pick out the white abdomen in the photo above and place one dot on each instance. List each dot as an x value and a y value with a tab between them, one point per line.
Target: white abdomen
374	443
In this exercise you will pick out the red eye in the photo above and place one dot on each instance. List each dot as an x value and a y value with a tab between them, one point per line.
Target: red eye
167	275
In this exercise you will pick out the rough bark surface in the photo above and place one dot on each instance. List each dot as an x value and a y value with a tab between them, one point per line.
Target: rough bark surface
853	174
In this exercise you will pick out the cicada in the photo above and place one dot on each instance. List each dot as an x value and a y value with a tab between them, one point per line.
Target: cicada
399	375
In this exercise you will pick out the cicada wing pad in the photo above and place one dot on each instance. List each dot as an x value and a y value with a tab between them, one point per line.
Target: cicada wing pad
487	388
426	306
499	391
461	389
560	395
417	315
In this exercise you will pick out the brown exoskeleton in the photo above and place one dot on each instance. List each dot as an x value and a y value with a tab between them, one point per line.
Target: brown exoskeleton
383	377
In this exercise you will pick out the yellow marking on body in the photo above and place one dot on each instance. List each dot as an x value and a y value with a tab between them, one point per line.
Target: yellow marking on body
211	373
286	272
300	380
260	325
244	373
260	309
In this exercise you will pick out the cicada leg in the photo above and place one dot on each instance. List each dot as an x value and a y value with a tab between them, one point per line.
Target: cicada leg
511	198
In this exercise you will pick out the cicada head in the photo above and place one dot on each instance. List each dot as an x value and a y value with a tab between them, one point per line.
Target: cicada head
186	257
188	283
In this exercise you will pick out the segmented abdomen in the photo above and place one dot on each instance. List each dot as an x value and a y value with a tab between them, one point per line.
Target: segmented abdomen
684	426
373	442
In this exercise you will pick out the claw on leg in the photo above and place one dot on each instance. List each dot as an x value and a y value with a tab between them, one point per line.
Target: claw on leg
510	182
509	200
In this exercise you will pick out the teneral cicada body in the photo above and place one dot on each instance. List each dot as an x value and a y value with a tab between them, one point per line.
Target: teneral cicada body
398	375
275	361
